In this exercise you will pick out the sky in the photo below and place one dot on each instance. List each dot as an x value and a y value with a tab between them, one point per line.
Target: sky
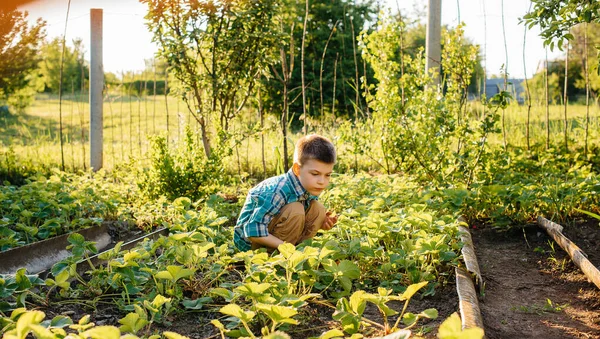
127	41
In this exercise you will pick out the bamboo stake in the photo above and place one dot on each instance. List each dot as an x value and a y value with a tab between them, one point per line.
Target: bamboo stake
587	89
140	119
122	89
576	254
467	297
566	99
81	115
468	251
527	85
302	68
167	101
130	118
72	123
154	100
505	78
547	103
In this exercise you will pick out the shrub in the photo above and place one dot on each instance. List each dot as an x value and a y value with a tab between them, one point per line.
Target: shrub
181	172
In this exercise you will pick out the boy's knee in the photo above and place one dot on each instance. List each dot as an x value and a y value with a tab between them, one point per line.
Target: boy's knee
316	212
293	208
289	226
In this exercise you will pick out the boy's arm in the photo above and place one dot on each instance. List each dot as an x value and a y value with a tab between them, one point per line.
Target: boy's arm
270	241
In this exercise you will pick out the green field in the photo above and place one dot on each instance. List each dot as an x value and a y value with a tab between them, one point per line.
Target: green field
130	122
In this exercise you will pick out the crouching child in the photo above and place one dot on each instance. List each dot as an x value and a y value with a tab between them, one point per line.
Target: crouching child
286	208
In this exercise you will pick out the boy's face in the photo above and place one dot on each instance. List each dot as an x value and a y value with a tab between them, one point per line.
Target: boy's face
314	175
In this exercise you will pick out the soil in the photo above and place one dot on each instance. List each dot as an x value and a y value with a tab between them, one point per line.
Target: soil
532	288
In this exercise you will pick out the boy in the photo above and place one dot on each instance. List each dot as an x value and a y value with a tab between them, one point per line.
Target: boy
285	208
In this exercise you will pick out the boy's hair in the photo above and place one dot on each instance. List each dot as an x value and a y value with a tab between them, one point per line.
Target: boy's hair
315	147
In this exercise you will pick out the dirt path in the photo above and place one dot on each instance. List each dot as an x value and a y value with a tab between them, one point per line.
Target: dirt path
522	273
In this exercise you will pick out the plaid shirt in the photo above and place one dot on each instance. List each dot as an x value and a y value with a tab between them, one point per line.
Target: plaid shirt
263	202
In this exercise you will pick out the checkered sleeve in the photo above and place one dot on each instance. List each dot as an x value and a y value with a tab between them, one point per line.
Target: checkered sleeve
264	208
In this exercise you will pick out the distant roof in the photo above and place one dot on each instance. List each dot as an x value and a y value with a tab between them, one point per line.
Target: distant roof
500	81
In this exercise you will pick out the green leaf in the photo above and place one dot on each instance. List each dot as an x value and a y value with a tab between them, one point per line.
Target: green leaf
349	269
411	290
223	292
174	273
279	314
102	332
591	214
253	289
451	328
357	302
132	323
409	318
196	304
236	311
277	335
22	280
61	321
430	313
331	334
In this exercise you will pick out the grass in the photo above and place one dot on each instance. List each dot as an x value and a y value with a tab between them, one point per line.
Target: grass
129	121
516	125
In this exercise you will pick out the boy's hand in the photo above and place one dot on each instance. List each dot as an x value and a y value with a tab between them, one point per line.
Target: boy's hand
330	220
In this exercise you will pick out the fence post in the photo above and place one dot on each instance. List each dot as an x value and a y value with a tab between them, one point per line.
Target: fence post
96	87
433	37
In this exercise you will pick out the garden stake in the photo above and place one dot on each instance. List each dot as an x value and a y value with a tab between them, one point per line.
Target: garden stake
576	254
468	303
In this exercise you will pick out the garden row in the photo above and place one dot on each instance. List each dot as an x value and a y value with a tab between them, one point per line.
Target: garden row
385	249
394	238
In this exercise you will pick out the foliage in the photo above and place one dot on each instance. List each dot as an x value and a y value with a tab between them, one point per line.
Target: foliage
46	207
330	55
216	51
577	49
417	130
373	256
25	324
74	70
516	190
182	172
582	49
19	45
537	87
556	17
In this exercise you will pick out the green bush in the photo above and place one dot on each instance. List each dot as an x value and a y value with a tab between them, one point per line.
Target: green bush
181	172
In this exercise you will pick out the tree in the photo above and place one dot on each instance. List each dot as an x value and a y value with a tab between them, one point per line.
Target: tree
581	48
73	66
556	18
19	45
576	81
330	47
216	50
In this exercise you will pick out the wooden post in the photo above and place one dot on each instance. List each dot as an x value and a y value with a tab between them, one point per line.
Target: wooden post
96	86
433	48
